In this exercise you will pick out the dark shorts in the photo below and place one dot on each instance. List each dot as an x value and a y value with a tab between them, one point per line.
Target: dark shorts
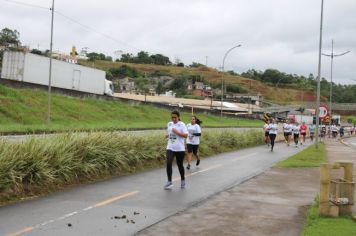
312	133
286	134
266	134
303	134
192	148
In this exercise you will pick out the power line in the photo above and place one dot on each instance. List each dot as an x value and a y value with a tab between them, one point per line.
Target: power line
76	22
96	31
27	4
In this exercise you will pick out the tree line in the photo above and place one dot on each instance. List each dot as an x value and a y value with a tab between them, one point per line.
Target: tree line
341	93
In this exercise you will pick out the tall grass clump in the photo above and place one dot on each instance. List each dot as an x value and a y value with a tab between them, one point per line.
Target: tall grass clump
41	165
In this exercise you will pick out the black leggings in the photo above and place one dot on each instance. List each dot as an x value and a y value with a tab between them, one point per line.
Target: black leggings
272	137
296	139
179	158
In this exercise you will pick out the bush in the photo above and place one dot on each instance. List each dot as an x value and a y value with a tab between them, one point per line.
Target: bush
41	165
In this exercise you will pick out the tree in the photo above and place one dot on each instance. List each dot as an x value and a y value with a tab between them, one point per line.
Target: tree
8	36
159	88
195	65
179	85
159	59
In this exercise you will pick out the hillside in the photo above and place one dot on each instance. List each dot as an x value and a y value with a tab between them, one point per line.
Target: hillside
212	76
25	111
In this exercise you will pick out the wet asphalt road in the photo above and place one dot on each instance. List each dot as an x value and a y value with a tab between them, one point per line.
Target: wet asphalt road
351	142
139	198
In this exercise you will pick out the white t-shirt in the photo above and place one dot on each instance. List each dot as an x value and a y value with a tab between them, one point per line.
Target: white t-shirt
175	142
296	129
334	128
265	127
287	128
273	128
193	129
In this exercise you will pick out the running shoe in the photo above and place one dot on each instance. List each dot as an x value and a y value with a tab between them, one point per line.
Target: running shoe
168	185
188	167
198	162
182	184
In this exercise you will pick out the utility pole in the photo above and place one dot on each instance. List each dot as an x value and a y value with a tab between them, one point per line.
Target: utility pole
318	79
332	55
222	77
50	68
206	61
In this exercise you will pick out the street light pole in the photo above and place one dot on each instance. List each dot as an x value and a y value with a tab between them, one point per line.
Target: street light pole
222	77
332	55
318	79
50	69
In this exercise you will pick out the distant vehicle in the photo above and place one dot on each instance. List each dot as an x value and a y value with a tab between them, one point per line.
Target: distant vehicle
32	68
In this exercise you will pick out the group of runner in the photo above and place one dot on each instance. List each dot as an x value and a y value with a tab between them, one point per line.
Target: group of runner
290	130
178	132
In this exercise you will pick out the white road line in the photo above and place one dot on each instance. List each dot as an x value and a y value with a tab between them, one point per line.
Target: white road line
244	157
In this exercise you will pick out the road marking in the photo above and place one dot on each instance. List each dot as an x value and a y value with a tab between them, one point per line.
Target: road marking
114	199
246	156
25	230
88	208
99	204
67	215
200	171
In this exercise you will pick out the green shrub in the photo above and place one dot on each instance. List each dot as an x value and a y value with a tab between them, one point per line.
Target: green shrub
41	165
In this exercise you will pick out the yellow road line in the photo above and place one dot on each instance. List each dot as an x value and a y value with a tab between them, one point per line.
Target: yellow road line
114	199
243	157
200	171
25	230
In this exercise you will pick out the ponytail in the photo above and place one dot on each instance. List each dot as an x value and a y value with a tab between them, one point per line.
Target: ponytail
197	121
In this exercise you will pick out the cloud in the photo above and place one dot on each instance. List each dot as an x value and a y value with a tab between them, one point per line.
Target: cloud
280	34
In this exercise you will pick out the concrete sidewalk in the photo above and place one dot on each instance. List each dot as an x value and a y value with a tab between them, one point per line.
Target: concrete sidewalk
273	203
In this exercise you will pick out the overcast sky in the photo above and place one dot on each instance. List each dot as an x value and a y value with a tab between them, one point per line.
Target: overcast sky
279	34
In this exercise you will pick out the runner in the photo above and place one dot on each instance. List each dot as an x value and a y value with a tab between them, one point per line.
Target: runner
312	128
265	128
296	132
342	131
177	132
193	140
287	130
303	132
272	131
322	131
334	130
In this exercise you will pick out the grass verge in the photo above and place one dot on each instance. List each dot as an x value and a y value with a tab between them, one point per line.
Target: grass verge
316	225
42	165
25	111
310	157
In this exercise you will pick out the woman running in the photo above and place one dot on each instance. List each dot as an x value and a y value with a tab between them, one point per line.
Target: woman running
303	132
296	132
287	129
193	140
177	132
312	128
273	130
265	129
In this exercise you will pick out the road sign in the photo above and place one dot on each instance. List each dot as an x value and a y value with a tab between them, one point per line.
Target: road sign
323	111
